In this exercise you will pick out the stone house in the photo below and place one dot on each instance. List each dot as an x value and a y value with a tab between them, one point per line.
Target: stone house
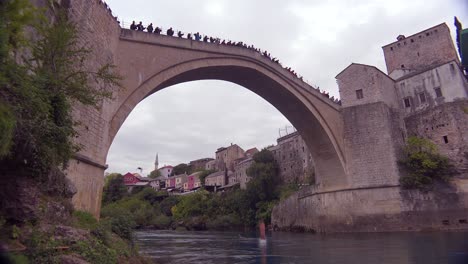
211	165
199	164
226	156
293	158
424	93
166	171
240	173
219	178
193	182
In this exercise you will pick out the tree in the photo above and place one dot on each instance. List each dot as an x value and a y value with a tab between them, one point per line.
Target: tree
114	190
263	188
37	90
181	169
423	164
154	174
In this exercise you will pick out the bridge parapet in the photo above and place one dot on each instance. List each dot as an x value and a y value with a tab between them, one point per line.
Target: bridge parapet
223	50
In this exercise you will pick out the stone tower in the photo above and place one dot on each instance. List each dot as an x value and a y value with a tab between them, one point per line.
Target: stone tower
156	162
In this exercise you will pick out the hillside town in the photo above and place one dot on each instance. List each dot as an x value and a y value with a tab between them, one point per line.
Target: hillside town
228	168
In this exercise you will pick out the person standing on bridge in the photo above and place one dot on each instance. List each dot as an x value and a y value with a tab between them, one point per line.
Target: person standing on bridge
197	36
157	30
150	28
180	34
140	26
170	32
189	36
133	26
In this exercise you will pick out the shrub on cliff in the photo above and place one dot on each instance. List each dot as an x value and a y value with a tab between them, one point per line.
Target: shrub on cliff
423	164
41	76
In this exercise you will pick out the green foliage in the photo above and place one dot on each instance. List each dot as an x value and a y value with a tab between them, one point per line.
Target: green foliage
15	232
167	204
41	247
162	222
287	190
181	169
95	251
84	220
39	89
265	177
191	205
109	177
154	174
7	125
18	259
423	164
114	189
150	195
120	220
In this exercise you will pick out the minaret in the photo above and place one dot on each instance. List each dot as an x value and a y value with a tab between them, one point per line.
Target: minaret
156	162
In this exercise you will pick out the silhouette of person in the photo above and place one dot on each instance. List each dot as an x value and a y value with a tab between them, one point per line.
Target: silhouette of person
157	30
180	34
133	26
140	26
197	36
150	28
170	32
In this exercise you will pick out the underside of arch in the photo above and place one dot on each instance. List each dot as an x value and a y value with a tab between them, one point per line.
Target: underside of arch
297	108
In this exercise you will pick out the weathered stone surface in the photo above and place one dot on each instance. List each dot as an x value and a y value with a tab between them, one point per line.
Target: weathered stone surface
176	60
72	259
70	233
19	198
375	210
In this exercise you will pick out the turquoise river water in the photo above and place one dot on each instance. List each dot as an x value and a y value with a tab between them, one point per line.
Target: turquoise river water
236	247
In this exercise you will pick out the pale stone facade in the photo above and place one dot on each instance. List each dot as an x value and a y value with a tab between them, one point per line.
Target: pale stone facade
200	163
226	156
433	46
166	171
240	173
294	159
218	178
425	96
210	165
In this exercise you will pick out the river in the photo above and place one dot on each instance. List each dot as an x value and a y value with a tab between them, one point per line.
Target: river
236	247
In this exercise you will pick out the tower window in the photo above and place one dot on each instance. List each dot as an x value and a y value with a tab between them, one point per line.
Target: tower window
359	94
402	66
407	102
438	92
422	98
445	139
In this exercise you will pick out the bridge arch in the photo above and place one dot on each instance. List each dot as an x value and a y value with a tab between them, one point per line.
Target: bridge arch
316	119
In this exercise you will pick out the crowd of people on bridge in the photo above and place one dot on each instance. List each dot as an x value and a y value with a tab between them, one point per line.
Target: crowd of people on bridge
198	37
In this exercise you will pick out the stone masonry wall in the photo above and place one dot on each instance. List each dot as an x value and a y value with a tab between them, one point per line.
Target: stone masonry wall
375	210
420	89
372	139
99	32
374	84
447	126
294	159
423	49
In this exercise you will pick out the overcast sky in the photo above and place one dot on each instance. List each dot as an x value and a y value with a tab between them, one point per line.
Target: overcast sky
316	38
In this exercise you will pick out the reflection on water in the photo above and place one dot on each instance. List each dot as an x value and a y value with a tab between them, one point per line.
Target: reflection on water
234	247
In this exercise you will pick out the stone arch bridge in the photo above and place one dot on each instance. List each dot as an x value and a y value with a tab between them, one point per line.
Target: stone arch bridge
150	62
